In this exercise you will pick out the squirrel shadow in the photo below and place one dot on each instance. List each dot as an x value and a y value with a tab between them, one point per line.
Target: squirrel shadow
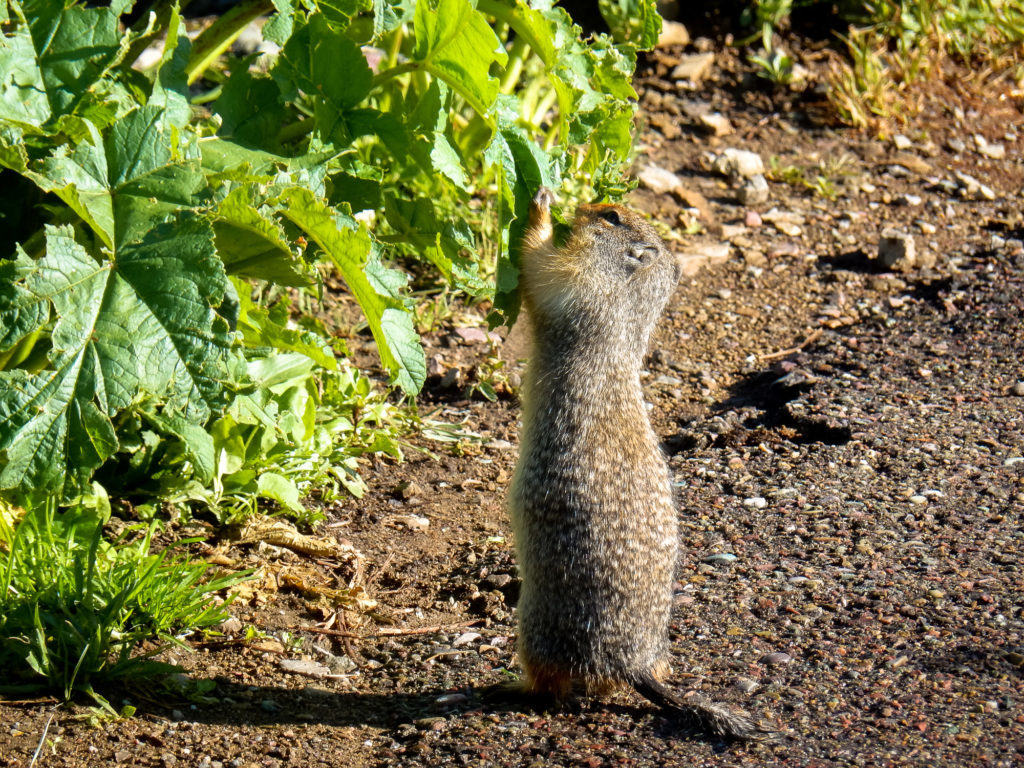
239	704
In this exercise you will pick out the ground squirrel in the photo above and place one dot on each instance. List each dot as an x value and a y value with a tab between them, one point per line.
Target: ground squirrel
591	501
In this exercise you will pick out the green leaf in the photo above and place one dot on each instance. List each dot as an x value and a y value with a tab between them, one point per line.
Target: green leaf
349	250
524	167
251	109
260	329
254	245
328	67
170	89
22	90
21	311
73	48
279	488
455	43
197	442
142	324
416	224
632	21
125	183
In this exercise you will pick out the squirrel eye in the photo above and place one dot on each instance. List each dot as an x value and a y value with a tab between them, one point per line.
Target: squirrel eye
611	216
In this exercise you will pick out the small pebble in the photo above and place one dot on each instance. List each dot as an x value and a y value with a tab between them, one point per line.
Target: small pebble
776	659
757	502
720	557
1018	389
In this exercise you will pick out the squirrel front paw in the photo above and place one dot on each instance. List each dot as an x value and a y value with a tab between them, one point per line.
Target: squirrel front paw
543	199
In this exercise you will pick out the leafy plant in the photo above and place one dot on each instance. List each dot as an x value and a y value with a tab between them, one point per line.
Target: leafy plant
124	304
76	610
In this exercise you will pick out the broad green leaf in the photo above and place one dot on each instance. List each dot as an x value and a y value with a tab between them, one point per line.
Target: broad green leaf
126	182
455	43
252	110
252	244
349	250
22	90
524	168
73	48
632	21
196	441
279	488
170	89
142	324
279	26
21	311
328	67
416	225
260	329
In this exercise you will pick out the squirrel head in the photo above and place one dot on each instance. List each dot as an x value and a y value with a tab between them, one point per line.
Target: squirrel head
613	276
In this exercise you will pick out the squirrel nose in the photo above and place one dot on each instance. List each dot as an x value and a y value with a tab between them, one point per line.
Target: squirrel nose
642	253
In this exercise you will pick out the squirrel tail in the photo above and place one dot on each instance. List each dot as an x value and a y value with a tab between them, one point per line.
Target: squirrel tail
703	713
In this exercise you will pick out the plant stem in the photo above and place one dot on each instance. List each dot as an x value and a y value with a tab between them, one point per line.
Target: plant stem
393	72
216	38
516	58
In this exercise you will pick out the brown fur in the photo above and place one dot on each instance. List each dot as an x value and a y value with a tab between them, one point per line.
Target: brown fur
591	500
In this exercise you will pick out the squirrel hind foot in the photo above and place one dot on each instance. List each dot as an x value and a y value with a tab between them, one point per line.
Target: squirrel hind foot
708	716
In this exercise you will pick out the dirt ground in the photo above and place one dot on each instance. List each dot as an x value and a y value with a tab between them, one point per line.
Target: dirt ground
847	443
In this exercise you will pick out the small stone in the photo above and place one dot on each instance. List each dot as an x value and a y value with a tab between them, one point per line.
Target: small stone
659	180
724	293
1018	389
450	699
746	685
470	335
738	163
465	639
435	365
177	715
232	625
673	33
752	219
911	200
927	228
936	594
995	151
499	445
754	258
896	251
408	489
919	500
956	144
305	667
269	705
756	502
1013	461
717	123
754	191
776	659
693	67
902	142
412	522
722	558
122	756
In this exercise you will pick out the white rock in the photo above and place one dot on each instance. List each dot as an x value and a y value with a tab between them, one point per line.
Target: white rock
738	162
756	502
659	180
896	251
693	67
754	191
673	33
